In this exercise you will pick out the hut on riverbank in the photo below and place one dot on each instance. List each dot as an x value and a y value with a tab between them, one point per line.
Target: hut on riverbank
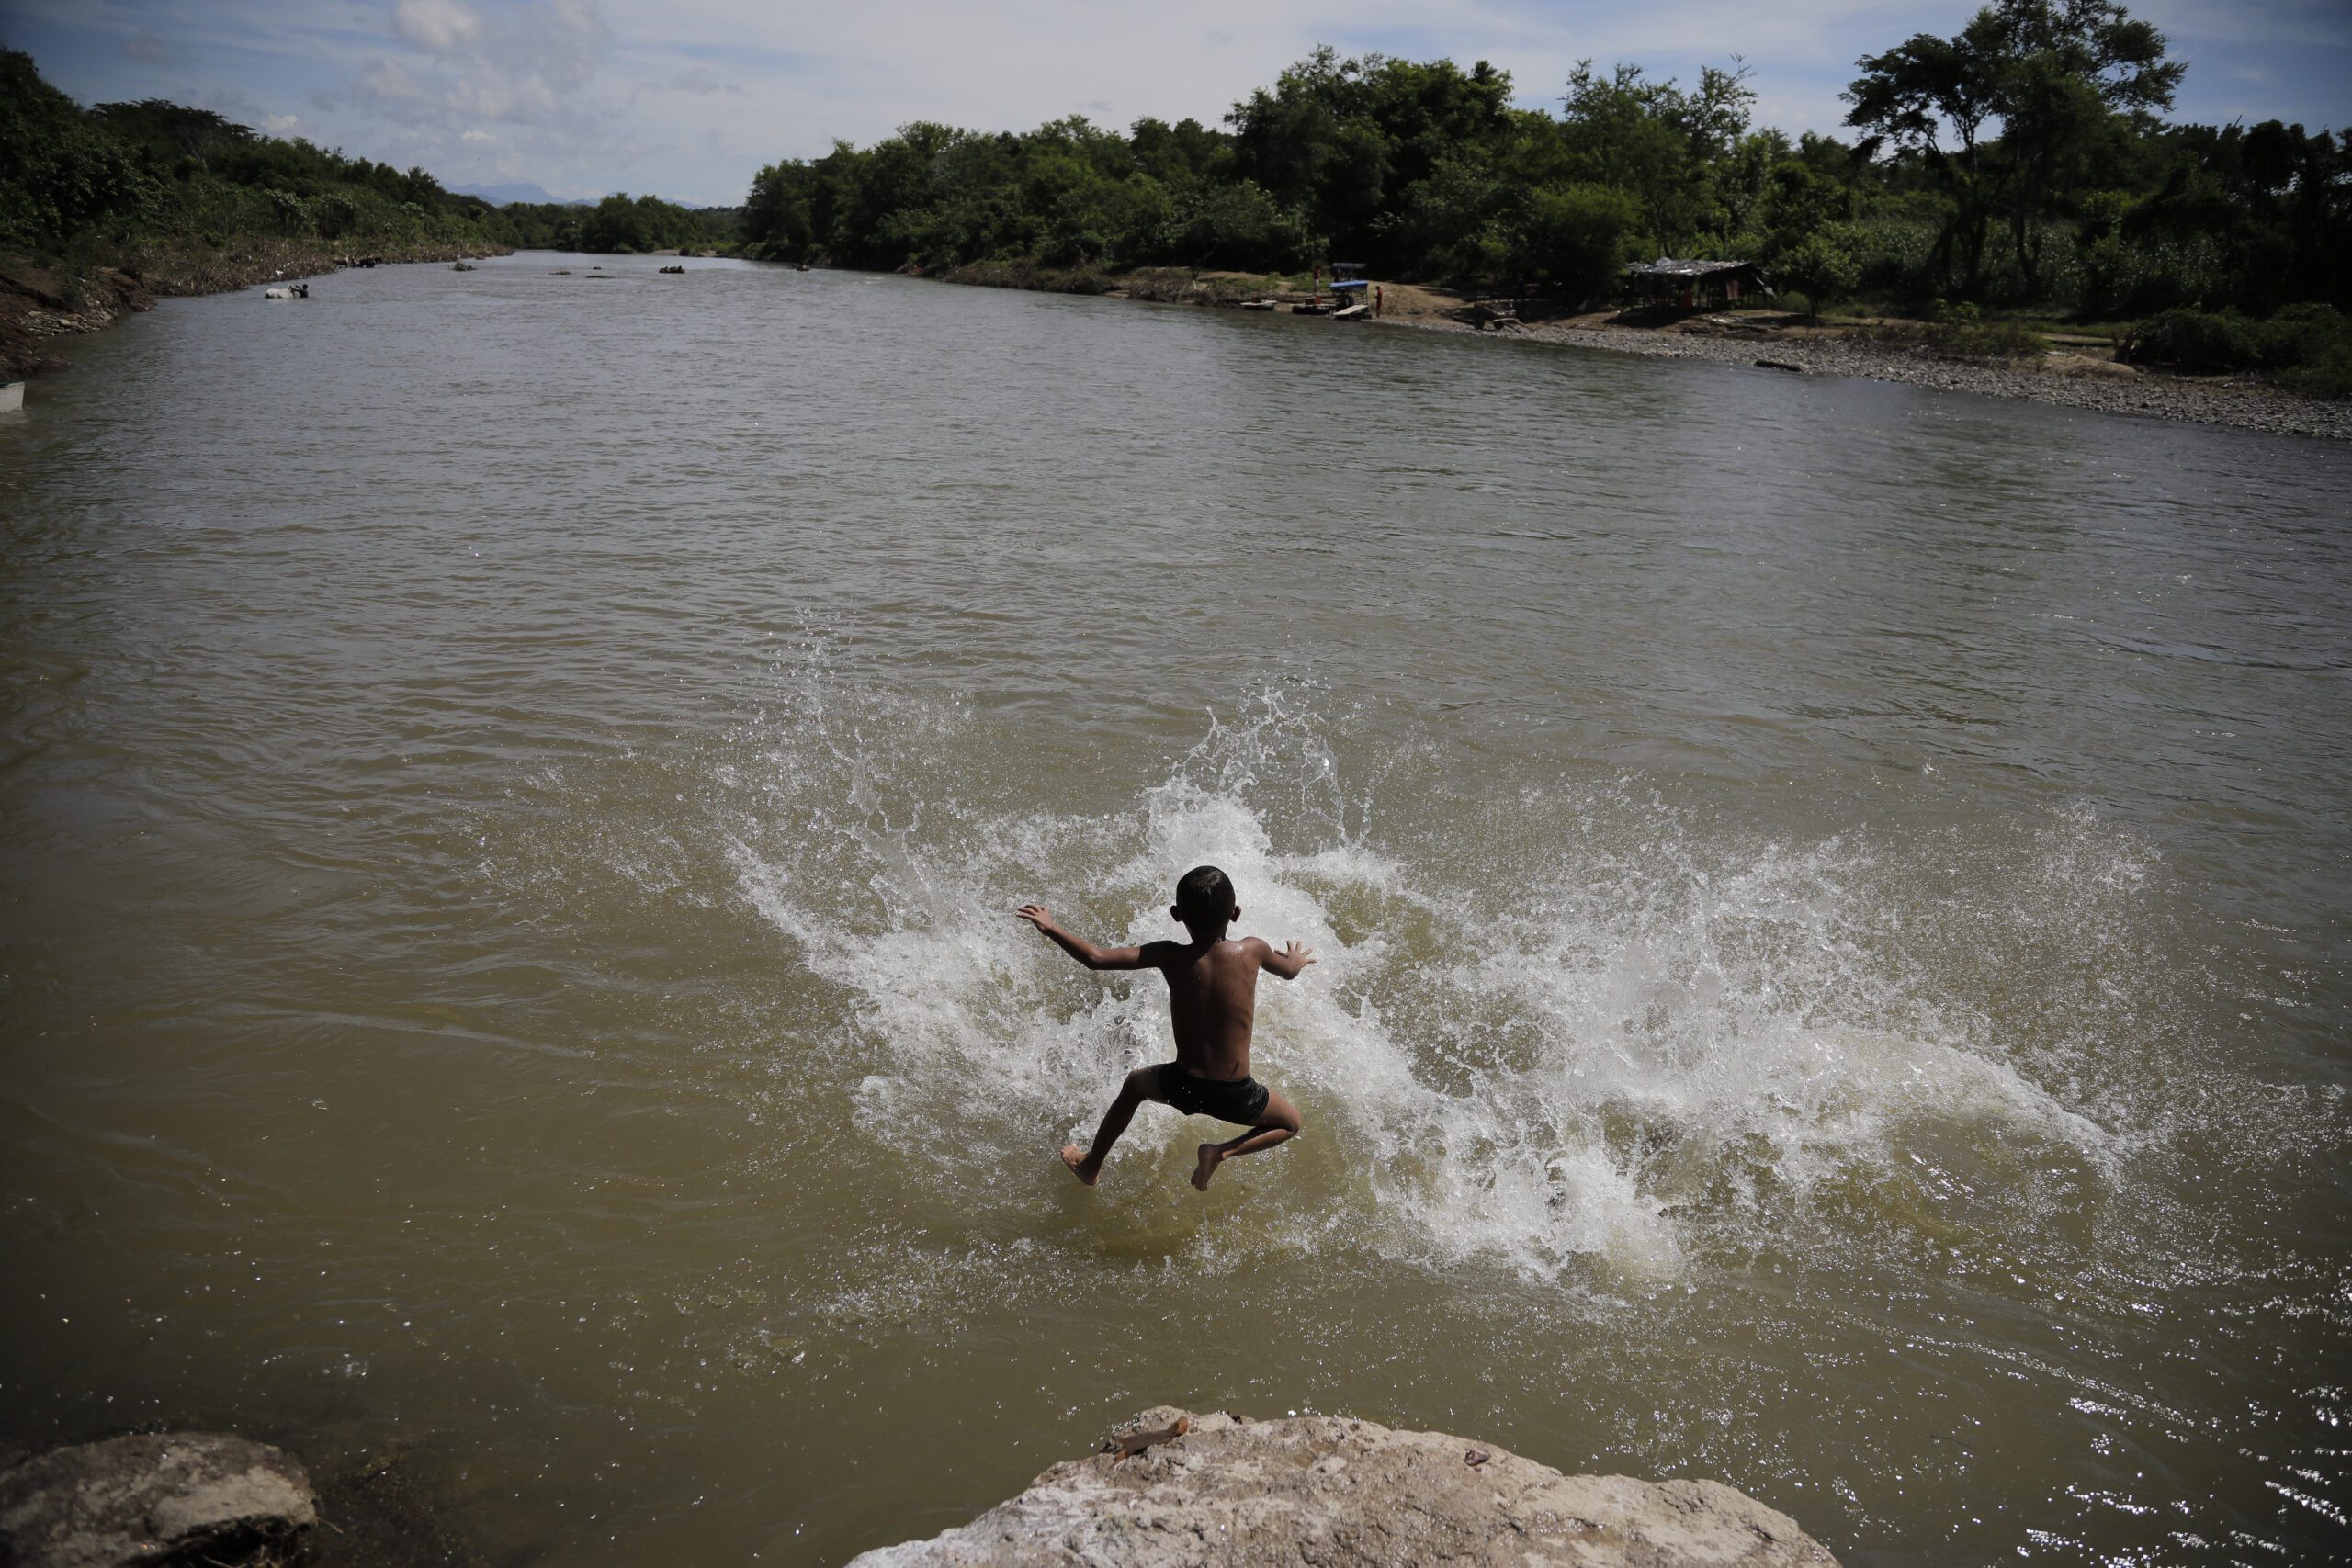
1693	285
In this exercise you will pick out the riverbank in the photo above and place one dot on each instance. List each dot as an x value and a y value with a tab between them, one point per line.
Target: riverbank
2072	375
43	303
2070	380
2077	374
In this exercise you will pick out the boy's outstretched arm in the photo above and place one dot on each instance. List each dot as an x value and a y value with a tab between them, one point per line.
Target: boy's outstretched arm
1085	952
1285	964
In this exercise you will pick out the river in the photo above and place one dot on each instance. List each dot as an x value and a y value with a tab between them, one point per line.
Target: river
1831	904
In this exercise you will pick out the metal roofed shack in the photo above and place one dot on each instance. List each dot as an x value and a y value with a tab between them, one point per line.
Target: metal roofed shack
1694	284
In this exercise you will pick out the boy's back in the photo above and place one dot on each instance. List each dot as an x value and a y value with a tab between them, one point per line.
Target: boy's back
1212	1002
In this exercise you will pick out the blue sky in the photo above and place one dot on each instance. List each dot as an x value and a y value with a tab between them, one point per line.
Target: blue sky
687	98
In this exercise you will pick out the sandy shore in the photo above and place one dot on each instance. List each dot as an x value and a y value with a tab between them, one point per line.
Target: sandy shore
2082	380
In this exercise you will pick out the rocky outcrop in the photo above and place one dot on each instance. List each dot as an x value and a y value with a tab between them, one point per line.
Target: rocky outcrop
1326	1490
174	1496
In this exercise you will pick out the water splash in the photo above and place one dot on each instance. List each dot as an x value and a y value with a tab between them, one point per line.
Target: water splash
1661	1040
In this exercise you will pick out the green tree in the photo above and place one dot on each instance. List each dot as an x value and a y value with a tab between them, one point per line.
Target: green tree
61	171
1575	237
2022	91
775	211
1659	143
1346	142
1824	265
1185	151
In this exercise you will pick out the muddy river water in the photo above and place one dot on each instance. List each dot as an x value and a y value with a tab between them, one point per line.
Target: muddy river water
1832	904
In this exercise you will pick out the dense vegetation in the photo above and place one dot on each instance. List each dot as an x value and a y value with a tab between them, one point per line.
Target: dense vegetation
619	223
126	180
167	187
2021	167
2021	164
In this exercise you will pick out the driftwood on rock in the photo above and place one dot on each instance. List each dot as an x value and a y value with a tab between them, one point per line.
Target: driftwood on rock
1203	1490
175	1497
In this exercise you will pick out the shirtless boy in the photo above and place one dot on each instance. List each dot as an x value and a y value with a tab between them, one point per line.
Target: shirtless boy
1213	1003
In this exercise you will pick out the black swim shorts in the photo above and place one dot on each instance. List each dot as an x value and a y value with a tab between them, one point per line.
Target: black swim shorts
1238	1100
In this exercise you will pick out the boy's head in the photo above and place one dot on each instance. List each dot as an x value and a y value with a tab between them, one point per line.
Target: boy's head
1205	899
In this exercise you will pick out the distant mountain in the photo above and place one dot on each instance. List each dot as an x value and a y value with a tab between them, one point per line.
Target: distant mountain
499	195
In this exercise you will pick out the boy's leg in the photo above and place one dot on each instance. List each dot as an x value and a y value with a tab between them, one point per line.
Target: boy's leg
1278	1124
1087	1164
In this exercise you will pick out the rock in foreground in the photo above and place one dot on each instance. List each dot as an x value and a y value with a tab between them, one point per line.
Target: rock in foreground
1328	1490
180	1496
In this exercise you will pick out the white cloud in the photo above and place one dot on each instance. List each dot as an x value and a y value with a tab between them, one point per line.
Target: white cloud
440	26
532	66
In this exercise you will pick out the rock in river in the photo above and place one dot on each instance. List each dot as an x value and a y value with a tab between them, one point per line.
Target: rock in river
166	1495
1330	1490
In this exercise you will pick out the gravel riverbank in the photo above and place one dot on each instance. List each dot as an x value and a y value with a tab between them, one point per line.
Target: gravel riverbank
2106	389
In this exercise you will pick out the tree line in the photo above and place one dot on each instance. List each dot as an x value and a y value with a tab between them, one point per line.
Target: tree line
620	223
2022	163
125	181
2024	160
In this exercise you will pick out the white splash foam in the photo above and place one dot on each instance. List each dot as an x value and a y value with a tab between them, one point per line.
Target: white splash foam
1645	1041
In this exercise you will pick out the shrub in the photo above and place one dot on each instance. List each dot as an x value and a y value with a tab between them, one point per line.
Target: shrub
2300	334
2328	375
1028	274
289	214
2121	277
1824	266
2190	340
2310	348
2307	347
335	216
1961	333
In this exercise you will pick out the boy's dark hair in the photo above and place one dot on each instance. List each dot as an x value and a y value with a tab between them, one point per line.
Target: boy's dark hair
1204	890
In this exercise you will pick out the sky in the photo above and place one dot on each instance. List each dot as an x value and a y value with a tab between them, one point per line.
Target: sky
687	98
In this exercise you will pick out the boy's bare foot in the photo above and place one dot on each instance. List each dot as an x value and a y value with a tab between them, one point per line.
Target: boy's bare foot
1074	1158
1205	1167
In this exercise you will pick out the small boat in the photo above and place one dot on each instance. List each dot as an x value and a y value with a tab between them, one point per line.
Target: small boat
12	396
1256	304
